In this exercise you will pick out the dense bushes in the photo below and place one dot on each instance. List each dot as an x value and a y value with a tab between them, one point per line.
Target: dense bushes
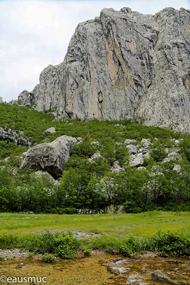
64	245
92	185
86	185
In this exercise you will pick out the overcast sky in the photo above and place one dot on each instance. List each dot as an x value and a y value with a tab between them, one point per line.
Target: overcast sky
36	33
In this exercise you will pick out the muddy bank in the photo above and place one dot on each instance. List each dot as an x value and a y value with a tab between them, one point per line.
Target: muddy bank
100	269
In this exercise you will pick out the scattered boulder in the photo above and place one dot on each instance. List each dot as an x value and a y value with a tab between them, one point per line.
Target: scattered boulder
51	130
136	160
160	277
95	156
132	149
177	168
146	142
113	210
141	168
138	152
117	168
173	156
13	102
79	140
96	143
12	136
1	100
143	270
45	175
128	141
49	157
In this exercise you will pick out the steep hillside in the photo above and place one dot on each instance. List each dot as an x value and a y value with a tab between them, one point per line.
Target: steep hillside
120	65
113	163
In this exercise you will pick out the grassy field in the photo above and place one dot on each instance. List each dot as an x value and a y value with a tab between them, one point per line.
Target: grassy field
118	225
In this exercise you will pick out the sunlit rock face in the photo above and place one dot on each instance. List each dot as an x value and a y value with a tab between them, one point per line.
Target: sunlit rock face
120	65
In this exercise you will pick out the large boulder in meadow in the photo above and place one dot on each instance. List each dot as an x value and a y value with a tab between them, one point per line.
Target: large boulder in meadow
49	157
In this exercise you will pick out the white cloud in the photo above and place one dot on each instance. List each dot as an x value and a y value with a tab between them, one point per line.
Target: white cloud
35	34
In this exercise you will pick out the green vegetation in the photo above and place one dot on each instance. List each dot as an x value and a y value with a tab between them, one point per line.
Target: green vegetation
126	234
49	258
65	246
118	225
93	187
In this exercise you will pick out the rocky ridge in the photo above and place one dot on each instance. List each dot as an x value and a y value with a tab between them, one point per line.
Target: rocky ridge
122	64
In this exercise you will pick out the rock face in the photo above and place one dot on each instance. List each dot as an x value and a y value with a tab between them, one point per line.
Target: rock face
49	157
120	65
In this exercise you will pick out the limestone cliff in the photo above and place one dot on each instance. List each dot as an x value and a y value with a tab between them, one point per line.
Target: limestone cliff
122	64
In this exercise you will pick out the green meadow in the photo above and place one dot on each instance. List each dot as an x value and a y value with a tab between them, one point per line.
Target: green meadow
119	225
168	233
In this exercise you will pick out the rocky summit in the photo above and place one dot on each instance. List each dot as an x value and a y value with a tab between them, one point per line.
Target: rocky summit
122	64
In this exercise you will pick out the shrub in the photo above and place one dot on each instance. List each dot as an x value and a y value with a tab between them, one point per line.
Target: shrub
49	258
169	243
65	245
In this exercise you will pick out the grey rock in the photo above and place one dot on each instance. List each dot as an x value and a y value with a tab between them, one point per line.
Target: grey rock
147	154
25	98
128	141
132	149
121	210
95	156
51	130
12	136
45	175
141	168
117	168
49	157
120	65
13	102
79	140
136	160
177	168
173	156
146	142
160	277
143	270
2	167
1	100
96	143
111	210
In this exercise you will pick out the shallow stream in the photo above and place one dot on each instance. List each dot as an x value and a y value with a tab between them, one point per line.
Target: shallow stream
97	269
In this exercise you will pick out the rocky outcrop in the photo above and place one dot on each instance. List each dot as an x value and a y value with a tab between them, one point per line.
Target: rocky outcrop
26	98
120	65
137	153
12	136
49	157
1	100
